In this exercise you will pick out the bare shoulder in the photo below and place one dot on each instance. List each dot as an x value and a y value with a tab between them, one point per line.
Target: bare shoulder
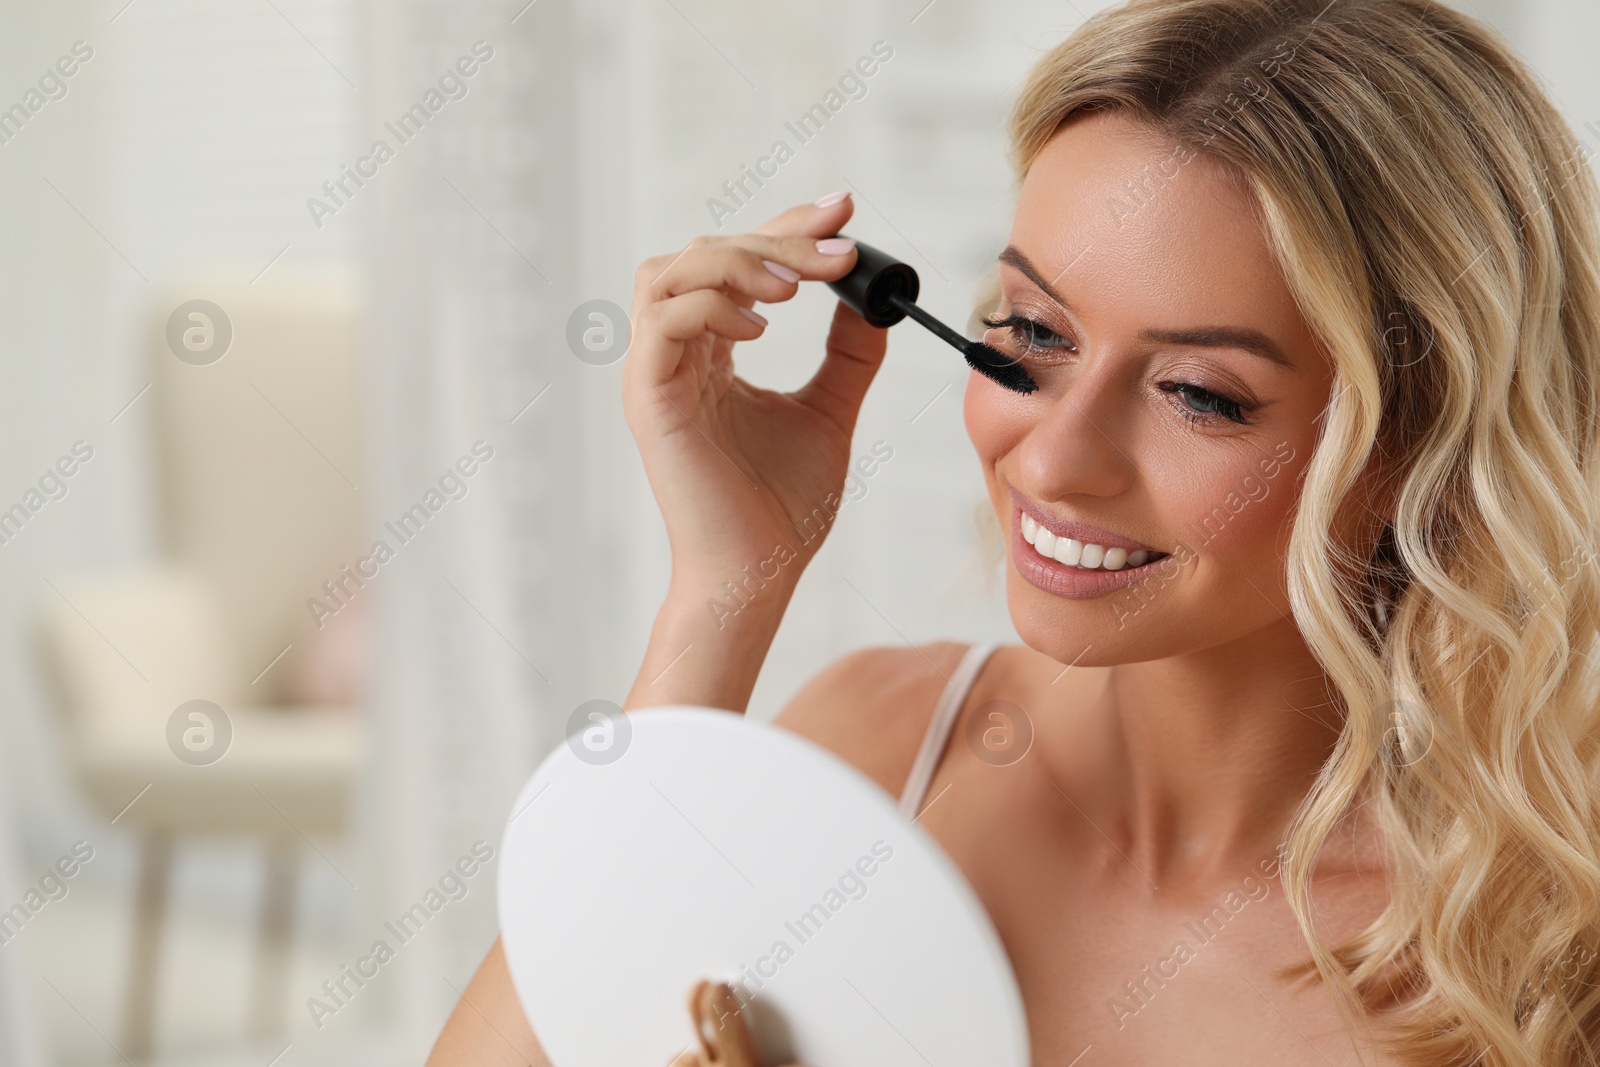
488	1027
871	706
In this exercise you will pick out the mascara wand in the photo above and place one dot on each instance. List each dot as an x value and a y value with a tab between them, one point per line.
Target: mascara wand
883	290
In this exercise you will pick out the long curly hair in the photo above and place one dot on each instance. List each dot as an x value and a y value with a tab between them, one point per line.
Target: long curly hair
1436	220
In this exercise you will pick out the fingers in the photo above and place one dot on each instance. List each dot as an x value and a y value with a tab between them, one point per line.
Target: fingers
765	267
721	1037
811	220
683	318
709	287
664	326
725	1041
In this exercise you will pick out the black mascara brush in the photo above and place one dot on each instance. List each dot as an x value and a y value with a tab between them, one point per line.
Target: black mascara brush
883	290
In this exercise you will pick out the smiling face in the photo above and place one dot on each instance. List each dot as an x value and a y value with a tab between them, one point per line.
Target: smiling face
1179	393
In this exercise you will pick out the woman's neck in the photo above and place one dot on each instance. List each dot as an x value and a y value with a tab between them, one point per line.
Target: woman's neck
1201	759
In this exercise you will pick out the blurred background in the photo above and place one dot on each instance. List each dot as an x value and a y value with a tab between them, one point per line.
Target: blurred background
318	514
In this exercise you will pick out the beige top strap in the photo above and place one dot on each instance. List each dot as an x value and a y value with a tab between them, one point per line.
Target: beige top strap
938	733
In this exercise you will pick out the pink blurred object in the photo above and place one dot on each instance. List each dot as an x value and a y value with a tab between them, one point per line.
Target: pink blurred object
328	670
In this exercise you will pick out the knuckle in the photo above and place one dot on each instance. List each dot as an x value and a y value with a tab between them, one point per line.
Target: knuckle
802	250
762	250
649	319
669	283
761	246
768	248
747	260
696	304
648	270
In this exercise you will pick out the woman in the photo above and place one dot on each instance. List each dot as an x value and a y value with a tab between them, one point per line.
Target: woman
1310	293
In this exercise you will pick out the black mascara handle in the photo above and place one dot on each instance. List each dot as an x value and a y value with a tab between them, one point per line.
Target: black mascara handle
872	284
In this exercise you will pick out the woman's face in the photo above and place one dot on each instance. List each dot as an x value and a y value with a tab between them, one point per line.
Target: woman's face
1178	401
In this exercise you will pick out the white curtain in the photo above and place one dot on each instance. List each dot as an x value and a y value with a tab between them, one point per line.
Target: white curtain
470	265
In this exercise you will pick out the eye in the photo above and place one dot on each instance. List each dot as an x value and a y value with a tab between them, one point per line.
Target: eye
1031	336
1203	407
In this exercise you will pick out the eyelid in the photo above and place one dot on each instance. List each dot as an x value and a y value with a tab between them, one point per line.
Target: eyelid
1044	310
1053	321
1026	284
1015	325
1211	379
1177	389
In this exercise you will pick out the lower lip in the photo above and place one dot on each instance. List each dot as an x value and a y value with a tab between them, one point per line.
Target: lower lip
1074	583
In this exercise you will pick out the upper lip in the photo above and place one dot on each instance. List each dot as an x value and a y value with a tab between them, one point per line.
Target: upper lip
1078	531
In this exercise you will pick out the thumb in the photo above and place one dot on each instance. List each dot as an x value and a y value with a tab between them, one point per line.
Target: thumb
719	1027
854	354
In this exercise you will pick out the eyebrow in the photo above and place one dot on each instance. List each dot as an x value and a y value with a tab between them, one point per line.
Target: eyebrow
1252	341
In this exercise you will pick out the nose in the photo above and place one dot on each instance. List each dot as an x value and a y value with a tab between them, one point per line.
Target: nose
1081	443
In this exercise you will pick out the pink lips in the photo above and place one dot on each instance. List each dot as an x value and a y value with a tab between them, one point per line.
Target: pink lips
1079	531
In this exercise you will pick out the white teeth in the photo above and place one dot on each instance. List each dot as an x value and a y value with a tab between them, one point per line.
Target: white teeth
1077	553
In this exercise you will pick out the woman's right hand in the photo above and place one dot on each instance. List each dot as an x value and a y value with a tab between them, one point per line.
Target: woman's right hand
738	470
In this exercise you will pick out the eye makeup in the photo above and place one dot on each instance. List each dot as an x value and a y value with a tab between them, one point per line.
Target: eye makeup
1024	332
1038	343
883	290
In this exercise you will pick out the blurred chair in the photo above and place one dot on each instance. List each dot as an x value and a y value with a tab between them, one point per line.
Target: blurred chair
258	470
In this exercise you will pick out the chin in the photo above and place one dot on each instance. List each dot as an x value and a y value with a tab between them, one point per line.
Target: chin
1134	625
1077	632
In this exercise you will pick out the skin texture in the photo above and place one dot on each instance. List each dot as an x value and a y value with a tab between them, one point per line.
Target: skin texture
1168	758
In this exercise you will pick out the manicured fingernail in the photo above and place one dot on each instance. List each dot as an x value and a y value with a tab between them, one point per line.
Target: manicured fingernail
781	271
831	199
753	317
835	246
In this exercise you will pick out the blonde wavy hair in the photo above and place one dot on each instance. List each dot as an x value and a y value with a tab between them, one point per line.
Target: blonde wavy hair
1436	219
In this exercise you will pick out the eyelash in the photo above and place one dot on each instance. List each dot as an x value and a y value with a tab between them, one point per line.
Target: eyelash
1015	324
1023	330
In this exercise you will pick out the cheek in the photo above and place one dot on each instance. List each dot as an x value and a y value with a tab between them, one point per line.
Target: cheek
1233	514
994	425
